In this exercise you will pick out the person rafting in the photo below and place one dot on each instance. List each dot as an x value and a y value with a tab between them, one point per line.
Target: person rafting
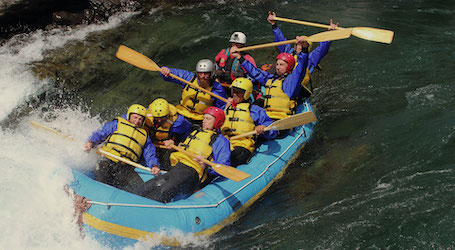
128	139
186	174
314	57
164	123
241	117
228	67
195	101
283	87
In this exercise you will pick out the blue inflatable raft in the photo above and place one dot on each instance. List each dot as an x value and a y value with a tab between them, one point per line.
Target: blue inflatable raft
118	218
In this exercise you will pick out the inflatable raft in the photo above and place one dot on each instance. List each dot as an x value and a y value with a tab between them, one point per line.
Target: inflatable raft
118	218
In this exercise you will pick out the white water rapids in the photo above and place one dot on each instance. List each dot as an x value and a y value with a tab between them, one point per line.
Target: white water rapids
36	212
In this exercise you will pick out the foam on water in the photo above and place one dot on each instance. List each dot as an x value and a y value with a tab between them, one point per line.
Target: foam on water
17	82
36	212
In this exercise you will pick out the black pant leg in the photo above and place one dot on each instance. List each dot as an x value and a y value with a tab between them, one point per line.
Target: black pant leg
240	155
181	179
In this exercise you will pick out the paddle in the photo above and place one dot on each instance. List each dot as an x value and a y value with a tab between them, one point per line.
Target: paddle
226	171
98	151
319	37
37	125
285	123
141	61
366	33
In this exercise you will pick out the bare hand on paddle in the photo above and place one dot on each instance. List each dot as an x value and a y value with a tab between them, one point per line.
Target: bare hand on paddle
165	71
260	129
88	146
301	43
332	25
168	143
271	18
235	53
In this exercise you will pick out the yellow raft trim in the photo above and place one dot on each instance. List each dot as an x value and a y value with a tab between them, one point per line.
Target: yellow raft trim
136	234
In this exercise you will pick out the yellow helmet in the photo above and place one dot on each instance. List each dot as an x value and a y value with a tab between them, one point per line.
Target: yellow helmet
244	84
136	109
159	108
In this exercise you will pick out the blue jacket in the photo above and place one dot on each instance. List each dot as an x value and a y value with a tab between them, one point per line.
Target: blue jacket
148	152
315	56
188	75
291	85
221	152
181	127
260	117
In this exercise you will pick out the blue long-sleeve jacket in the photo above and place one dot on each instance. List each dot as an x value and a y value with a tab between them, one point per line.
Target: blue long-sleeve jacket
148	152
188	75
315	56
180	129
260	117
291	85
221	152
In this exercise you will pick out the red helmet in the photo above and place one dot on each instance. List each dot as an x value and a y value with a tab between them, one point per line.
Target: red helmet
218	114
287	58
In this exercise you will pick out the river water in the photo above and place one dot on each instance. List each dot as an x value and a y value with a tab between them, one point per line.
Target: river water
377	172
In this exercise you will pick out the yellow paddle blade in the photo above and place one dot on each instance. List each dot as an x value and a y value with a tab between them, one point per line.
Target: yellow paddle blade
285	123
226	171
293	121
373	34
330	35
135	58
230	172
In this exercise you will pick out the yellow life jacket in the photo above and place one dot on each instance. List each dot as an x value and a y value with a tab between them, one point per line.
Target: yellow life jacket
159	134
199	142
277	104
194	102
238	121
306	79
127	141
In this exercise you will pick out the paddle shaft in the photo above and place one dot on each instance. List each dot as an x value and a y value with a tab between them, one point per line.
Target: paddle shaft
141	61
52	130
226	171
134	164
198	87
318	37
99	150
366	33
285	123
303	23
193	155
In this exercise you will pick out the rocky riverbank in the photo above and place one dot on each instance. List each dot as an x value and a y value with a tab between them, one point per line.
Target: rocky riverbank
21	16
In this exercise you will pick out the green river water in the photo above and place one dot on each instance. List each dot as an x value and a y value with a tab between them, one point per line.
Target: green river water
377	172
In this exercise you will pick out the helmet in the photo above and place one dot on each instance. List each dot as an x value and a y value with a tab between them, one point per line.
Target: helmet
238	37
218	114
244	84
205	65
287	58
159	108
136	109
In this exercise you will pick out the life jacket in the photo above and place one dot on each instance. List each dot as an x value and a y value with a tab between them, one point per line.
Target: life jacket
238	121
127	141
306	89
161	133
277	104
231	69
199	142
194	102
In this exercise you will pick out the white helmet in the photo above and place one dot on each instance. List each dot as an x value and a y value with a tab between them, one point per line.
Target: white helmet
205	65
238	37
